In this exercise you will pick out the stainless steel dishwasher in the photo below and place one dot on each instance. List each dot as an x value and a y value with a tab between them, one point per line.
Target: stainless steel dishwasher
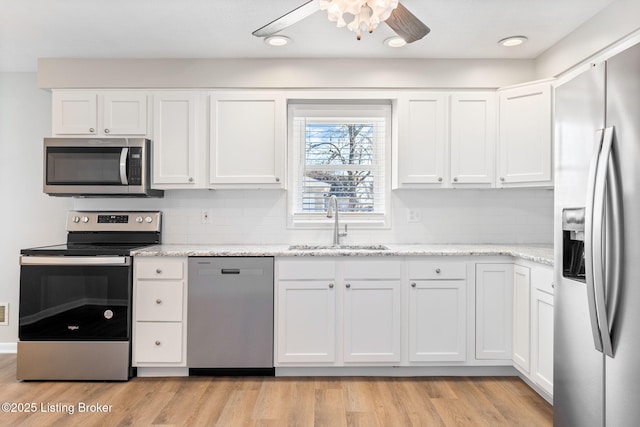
230	316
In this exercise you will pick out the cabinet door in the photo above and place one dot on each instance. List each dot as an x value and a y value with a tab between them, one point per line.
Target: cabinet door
158	300
525	135
521	317
157	342
248	139
75	113
437	320
176	140
473	138
542	346
372	321
124	113
306	322
494	311
422	134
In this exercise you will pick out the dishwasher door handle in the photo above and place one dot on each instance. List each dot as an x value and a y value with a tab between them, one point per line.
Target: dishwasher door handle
230	270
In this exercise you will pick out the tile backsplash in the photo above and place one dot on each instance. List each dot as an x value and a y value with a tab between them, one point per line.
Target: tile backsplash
260	217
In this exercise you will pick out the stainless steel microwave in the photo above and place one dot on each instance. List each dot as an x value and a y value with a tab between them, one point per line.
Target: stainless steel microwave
98	167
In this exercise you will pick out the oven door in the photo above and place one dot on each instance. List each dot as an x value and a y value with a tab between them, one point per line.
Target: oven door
75	298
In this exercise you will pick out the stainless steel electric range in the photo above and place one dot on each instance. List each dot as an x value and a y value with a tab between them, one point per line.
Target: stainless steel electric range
75	298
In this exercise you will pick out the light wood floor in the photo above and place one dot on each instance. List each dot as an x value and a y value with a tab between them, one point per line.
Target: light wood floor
216	401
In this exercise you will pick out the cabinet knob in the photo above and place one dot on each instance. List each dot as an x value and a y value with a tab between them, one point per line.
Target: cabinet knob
502	178
190	179
158	343
330	285
438	271
348	285
92	130
439	179
455	179
158	301
413	284
106	131
158	271
553	285
277	179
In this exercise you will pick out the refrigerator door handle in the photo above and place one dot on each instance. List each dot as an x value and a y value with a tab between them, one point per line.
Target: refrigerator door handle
588	241
599	218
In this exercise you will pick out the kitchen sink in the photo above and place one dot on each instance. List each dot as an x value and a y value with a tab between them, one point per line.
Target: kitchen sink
338	247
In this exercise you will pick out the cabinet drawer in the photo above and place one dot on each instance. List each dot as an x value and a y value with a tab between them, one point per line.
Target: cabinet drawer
295	269
159	301
158	342
372	269
437	270
159	268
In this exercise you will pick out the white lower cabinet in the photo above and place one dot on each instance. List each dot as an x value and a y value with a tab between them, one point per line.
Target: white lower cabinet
542	327
372	321
522	318
306	321
159	312
437	311
494	311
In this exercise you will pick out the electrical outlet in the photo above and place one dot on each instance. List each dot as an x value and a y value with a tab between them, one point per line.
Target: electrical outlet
205	216
413	215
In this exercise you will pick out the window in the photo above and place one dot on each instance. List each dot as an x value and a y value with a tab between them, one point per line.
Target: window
339	150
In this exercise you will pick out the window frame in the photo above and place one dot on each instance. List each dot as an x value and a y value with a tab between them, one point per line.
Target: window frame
320	110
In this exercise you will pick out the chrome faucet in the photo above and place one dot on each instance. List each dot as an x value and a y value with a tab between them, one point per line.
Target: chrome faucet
333	204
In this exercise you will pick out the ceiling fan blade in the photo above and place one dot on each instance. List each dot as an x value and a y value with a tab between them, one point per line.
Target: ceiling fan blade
288	19
406	25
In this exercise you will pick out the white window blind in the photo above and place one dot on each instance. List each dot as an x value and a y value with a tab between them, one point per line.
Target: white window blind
340	151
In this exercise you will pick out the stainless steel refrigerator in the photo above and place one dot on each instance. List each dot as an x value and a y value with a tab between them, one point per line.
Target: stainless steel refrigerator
597	241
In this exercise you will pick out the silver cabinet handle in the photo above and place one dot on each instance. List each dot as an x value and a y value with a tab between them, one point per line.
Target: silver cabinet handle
502	178
439	179
455	179
348	285
330	285
413	284
158	343
92	130
277	179
438	271
158	271
553	285
106	131
190	179
158	301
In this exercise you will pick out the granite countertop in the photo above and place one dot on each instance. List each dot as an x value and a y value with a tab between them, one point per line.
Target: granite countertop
542	254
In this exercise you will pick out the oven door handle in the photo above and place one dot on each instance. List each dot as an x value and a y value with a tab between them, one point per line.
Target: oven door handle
124	155
76	260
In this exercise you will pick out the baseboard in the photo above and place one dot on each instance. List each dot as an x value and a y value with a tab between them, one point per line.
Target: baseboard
8	347
405	371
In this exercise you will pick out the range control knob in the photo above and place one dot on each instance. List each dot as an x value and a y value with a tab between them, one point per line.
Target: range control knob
149	220
138	219
85	219
76	219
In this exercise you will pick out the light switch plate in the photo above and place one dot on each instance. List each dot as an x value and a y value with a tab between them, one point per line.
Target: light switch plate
413	215
205	216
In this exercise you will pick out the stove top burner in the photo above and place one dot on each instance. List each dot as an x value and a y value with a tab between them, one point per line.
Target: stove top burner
104	234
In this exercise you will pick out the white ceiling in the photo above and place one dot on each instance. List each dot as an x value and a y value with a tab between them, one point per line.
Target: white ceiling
30	29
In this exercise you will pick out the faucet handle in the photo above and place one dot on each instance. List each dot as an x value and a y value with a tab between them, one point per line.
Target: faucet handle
345	231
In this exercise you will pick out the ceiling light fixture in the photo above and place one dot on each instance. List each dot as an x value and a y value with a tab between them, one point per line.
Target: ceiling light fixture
277	40
395	42
367	14
513	41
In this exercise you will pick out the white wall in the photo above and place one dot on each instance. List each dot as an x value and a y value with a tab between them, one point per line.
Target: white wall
447	216
619	20
27	217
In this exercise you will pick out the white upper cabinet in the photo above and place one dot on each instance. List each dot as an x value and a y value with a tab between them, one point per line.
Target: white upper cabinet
473	138
525	136
105	113
422	139
178	145
247	145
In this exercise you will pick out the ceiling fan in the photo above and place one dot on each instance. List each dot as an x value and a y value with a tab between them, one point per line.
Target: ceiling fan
367	14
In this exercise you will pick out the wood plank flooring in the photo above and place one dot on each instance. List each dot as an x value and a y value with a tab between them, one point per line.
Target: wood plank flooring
282	401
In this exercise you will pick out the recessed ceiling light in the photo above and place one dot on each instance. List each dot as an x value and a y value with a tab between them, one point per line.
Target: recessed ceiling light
277	40
513	41
395	42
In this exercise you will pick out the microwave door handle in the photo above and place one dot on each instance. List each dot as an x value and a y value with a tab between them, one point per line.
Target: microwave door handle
589	256
124	155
